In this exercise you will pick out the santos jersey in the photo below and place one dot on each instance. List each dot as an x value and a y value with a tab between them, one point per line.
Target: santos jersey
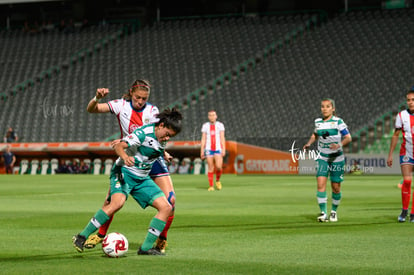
405	122
213	131
130	118
144	146
330	132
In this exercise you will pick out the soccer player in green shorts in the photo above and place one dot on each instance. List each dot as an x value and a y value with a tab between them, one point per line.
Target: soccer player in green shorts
130	175
332	134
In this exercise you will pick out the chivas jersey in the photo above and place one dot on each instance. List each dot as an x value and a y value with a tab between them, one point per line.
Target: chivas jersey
213	135
405	122
130	118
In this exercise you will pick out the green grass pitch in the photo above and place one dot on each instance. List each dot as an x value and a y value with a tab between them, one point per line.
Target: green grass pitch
254	225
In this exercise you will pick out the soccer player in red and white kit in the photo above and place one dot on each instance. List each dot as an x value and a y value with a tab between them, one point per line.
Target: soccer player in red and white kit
133	111
213	148
404	123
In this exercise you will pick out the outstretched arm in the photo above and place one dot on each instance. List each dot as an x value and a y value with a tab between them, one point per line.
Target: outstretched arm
94	106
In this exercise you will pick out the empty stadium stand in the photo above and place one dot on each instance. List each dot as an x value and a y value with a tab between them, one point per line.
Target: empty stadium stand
265	75
361	59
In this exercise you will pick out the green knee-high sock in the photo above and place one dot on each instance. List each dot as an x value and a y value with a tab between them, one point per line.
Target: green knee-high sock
322	201
155	229
99	219
336	200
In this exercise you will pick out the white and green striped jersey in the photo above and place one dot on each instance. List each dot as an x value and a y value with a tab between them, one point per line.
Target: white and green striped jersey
144	146
329	132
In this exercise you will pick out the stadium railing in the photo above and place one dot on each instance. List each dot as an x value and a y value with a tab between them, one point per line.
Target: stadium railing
376	138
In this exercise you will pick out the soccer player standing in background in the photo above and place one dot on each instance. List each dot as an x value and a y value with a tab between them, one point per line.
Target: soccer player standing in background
213	148
332	134
133	111
405	122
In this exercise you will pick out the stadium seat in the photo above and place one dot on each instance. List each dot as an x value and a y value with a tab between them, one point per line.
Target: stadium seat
235	41
198	163
24	166
34	166
108	166
187	161
88	163
173	166
324	61
54	164
97	163
44	167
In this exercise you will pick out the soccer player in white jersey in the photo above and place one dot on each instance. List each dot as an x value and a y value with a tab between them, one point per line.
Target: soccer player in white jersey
404	122
130	176
332	134
213	148
132	111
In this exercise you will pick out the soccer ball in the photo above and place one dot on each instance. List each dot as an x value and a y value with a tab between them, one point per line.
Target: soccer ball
115	245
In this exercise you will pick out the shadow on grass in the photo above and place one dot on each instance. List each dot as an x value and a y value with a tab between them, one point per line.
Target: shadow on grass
310	222
46	257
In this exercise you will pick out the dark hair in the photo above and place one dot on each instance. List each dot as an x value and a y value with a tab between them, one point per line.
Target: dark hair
171	118
139	84
410	91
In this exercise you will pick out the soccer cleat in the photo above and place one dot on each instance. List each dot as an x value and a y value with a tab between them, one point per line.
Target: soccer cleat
92	241
161	245
333	217
411	217
322	217
211	188
402	216
218	185
151	251
78	241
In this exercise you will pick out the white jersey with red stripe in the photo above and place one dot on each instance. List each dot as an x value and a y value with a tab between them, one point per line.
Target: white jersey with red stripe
213	131
129	118
405	122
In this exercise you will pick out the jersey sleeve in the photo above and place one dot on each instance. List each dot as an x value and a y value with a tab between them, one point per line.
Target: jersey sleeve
135	139
315	128
342	127
222	127
398	122
116	105
204	128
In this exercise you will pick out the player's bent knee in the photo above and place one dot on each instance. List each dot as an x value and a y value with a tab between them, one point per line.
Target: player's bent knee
166	210
117	206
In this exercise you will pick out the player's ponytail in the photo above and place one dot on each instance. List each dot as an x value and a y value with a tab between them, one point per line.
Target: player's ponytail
171	118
